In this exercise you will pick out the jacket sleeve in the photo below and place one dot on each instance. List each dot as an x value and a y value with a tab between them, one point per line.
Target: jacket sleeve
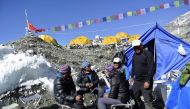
132	70
114	88
69	98
79	81
126	72
151	66
73	91
60	94
96	80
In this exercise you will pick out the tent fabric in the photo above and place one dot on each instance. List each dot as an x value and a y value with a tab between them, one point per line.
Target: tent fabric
110	40
72	42
179	97
80	40
48	39
122	35
165	46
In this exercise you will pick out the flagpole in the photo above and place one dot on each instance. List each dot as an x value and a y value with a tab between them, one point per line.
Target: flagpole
26	18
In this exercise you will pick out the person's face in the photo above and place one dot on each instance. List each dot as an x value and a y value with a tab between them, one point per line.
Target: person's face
87	70
67	75
115	65
138	49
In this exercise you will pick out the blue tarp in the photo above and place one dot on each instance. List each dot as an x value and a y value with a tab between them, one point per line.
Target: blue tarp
179	97
166	53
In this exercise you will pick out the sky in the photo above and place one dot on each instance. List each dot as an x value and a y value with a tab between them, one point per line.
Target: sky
50	13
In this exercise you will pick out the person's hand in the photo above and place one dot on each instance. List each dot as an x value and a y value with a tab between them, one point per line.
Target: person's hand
131	81
90	85
146	85
78	98
87	84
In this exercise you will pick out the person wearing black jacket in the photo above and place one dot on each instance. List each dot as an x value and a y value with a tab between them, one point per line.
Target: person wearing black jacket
64	89
119	86
87	80
142	74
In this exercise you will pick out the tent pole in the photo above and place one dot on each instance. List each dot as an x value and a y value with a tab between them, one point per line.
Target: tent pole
154	51
154	47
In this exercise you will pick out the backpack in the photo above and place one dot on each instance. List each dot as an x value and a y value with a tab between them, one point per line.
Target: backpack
185	76
89	99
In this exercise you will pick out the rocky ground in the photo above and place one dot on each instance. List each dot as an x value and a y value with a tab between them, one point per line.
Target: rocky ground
58	55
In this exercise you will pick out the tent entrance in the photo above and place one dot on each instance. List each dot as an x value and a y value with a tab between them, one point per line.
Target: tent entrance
150	46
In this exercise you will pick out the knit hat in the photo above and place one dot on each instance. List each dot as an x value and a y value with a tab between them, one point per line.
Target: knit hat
65	69
85	64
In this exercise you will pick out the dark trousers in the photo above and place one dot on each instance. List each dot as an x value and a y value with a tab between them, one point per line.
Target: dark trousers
138	90
102	102
79	105
75	105
98	92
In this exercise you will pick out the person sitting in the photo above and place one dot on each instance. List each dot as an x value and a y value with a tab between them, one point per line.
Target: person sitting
119	91
120	67
64	89
87	79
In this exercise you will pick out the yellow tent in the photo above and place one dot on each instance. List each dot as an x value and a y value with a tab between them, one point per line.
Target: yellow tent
122	35
80	40
48	39
133	37
110	40
72	42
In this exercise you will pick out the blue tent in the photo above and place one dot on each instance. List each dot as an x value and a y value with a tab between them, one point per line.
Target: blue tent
164	46
179	97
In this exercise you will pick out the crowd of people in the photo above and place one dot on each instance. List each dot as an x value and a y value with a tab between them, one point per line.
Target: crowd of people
121	90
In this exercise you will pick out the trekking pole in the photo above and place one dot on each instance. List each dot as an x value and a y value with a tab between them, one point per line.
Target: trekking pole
105	79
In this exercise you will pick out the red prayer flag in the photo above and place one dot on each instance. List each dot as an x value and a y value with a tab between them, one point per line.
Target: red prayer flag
116	17
186	2
138	12
33	28
162	6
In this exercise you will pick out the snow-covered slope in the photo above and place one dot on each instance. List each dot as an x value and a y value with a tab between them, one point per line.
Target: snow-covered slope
4	50
180	26
21	67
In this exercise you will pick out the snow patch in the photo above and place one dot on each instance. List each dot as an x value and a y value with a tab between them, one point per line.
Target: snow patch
21	67
46	83
5	50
